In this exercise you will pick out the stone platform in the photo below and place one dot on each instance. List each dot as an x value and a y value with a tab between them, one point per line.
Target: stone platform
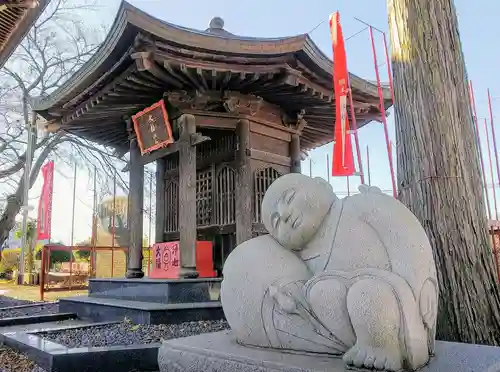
218	352
148	301
165	291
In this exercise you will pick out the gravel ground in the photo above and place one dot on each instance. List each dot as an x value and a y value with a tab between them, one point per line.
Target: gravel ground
10	361
28	311
127	333
8	302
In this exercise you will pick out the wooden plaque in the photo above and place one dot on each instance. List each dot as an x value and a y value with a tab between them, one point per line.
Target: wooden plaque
152	128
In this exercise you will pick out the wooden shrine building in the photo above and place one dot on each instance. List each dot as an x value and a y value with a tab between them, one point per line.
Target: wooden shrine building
241	111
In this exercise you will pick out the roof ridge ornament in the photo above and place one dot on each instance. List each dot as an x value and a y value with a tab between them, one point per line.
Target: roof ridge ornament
216	23
216	26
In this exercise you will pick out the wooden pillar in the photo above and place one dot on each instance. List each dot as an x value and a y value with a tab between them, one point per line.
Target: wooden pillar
295	154
135	212
243	184
187	196
160	201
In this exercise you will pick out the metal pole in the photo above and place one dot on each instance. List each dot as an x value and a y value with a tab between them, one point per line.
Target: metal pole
328	174
355	131
310	166
368	166
26	189
498	176
382	112
495	248
488	208
473	104
388	63
94	226
94	209
113	222
73	209
150	221
150	207
491	168
493	136
348	188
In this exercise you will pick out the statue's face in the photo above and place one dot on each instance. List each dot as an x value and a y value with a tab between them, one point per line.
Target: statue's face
294	207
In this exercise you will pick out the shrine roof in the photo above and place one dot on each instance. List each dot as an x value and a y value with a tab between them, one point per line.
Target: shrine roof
16	19
143	58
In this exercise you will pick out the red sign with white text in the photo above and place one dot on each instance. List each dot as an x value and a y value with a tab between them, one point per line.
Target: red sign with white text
166	260
343	160
45	203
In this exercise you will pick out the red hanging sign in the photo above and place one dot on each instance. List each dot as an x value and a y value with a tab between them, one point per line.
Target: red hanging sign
343	160
45	203
152	128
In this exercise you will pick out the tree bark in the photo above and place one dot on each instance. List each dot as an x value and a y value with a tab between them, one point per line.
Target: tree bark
439	177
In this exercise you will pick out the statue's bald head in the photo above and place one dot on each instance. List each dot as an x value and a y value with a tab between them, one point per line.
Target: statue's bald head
294	207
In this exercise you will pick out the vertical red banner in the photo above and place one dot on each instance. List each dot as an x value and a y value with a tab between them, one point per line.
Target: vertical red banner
45	203
343	160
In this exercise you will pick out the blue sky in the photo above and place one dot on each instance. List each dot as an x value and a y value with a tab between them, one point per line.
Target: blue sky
266	18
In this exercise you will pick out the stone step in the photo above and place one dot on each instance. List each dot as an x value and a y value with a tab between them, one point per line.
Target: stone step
166	291
140	312
46	326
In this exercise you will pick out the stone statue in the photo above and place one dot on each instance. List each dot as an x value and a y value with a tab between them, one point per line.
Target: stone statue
352	277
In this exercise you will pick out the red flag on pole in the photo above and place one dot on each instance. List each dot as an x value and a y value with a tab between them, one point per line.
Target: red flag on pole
45	202
343	160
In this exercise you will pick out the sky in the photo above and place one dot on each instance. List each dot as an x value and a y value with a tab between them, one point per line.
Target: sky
264	18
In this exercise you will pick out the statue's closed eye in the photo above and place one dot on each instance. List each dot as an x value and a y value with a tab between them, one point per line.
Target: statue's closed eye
275	220
288	196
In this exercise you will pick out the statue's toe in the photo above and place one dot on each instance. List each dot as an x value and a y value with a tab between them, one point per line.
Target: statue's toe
362	356
380	361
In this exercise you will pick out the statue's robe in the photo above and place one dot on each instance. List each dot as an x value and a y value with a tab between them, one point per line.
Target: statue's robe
374	236
370	235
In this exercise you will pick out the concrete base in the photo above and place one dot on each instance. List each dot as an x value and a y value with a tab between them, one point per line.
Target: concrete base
219	352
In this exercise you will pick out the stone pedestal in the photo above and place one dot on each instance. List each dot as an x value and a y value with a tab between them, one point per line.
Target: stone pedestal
219	352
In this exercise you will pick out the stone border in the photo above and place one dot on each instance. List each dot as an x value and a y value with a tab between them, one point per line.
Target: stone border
31	319
27	305
52	356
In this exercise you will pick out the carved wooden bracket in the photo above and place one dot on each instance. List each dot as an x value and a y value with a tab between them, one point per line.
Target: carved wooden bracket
195	100
238	103
232	102
295	121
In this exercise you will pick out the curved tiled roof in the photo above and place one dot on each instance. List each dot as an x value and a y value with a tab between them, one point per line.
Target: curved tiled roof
188	59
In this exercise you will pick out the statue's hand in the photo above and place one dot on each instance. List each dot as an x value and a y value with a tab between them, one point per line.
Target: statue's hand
366	189
285	302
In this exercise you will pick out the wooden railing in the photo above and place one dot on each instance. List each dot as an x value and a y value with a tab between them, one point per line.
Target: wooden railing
74	275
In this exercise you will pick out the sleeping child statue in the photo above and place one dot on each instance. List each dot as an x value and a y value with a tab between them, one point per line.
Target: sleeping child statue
352	277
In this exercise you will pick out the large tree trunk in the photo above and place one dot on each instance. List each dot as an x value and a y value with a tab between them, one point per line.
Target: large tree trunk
438	166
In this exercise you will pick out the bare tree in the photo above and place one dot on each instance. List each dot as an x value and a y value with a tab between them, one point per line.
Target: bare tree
438	165
54	49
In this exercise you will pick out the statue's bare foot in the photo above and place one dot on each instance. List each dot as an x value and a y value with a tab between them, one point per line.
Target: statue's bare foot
375	317
362	356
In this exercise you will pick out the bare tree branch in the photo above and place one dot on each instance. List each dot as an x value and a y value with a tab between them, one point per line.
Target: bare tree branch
54	49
